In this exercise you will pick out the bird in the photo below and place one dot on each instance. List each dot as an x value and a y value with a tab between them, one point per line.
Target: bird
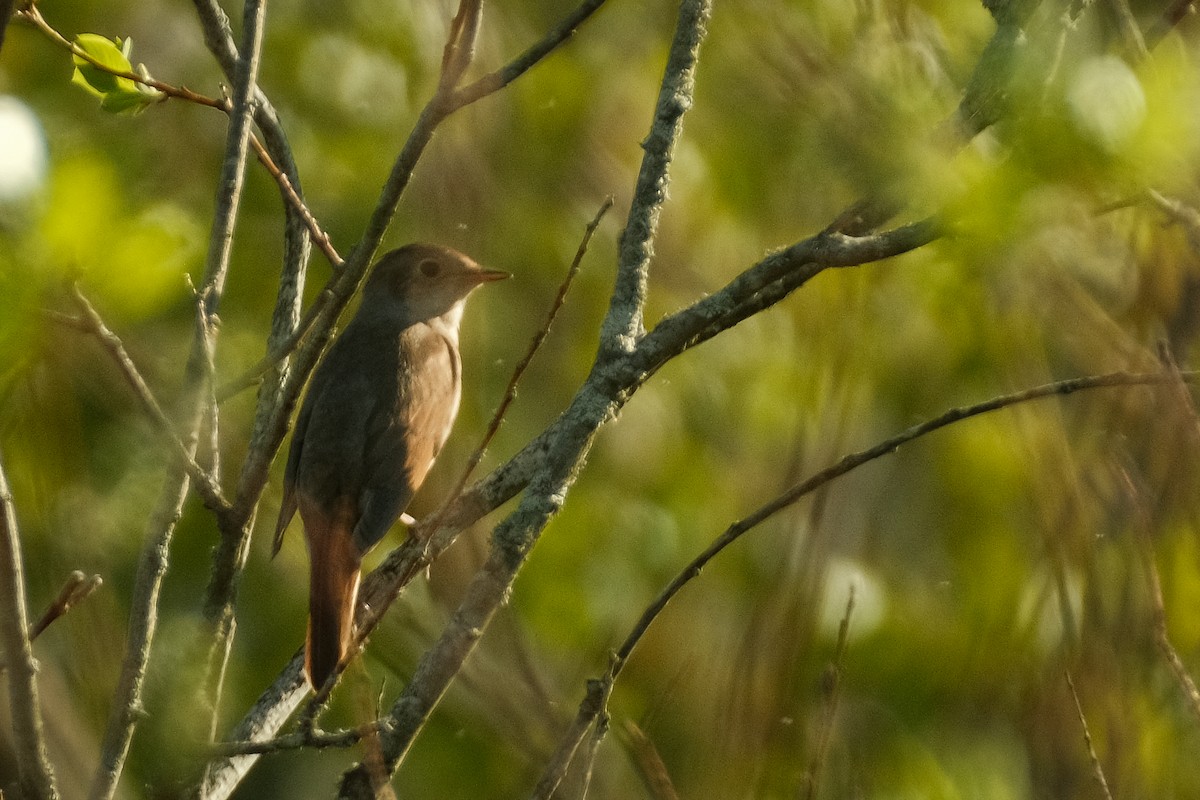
379	407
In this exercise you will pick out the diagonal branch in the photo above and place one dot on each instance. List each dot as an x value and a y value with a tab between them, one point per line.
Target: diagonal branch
771	280
495	81
92	323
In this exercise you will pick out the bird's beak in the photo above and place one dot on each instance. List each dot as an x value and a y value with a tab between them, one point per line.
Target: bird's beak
489	275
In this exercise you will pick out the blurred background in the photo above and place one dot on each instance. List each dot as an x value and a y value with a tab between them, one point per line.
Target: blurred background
987	560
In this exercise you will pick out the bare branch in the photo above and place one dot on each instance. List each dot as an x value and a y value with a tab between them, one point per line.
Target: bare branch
36	775
623	324
495	81
316	739
770	281
205	483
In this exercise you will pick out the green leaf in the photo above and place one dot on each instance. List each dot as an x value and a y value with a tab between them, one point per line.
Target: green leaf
117	95
107	53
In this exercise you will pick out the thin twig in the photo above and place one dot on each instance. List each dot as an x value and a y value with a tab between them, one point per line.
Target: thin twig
650	765
495	81
832	688
74	591
34	15
33	765
1097	768
319	235
92	322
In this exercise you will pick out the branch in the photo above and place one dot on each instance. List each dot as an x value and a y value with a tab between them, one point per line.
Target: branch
94	324
36	775
622	326
771	280
311	738
495	81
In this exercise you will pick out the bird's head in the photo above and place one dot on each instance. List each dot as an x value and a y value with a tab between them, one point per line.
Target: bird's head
421	282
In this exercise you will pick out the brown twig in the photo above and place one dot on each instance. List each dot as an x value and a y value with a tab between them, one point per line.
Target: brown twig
1097	768
318	234
34	15
497	80
74	591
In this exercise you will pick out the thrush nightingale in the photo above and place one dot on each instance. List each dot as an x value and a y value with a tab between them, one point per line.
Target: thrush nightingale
378	410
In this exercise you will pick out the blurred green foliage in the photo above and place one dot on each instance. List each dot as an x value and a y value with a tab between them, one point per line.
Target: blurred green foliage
988	558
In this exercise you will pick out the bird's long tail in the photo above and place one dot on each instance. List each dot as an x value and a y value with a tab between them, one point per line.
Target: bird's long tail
333	588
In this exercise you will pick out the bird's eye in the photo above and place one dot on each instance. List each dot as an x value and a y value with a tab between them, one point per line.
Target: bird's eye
429	267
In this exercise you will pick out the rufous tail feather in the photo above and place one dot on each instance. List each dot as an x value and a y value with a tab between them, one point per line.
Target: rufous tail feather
333	590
